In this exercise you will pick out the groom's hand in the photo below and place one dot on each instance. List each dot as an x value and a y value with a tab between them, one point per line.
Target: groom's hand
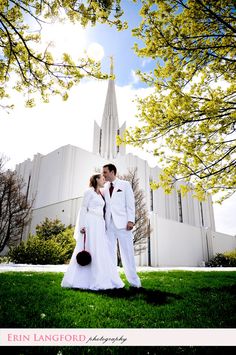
130	226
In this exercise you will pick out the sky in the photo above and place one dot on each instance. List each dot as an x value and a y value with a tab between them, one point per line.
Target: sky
42	129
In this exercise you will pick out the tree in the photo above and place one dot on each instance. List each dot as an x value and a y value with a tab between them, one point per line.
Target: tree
141	231
190	119
14	207
21	22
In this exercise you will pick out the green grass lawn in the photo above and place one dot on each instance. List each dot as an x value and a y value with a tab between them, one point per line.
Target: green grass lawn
174	299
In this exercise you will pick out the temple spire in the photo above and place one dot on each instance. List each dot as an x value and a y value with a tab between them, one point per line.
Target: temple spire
105	137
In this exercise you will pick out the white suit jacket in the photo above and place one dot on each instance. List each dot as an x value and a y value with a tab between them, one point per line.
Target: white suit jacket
121	205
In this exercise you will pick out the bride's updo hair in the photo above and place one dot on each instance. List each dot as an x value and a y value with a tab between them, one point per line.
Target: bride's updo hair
93	180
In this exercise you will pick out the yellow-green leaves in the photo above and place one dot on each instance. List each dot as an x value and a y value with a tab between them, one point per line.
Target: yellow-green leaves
191	117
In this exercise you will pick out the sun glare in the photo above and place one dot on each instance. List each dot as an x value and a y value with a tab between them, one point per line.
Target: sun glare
95	51
65	38
69	38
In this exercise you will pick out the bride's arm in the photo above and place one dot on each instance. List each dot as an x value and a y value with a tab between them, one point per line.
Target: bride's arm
84	209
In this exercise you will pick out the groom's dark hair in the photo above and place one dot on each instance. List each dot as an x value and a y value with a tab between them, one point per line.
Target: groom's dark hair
111	167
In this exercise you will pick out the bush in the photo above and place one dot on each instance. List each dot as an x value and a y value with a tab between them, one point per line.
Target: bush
67	242
49	228
45	247
4	259
227	259
36	251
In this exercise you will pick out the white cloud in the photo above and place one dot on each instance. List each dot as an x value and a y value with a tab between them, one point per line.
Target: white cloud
225	216
146	61
135	78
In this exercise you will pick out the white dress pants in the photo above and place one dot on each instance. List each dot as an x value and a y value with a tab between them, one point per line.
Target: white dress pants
125	239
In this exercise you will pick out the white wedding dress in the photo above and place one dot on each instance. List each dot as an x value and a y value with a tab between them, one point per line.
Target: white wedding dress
101	273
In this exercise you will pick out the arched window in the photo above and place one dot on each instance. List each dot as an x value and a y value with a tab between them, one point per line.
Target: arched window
28	186
180	208
201	213
100	141
117	146
151	196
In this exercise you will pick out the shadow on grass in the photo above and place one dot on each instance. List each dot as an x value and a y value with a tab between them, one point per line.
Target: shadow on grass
229	289
154	297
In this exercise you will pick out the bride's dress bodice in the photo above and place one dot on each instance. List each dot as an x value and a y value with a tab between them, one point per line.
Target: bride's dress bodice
92	203
96	204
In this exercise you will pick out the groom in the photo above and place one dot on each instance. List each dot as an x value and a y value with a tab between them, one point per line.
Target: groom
120	217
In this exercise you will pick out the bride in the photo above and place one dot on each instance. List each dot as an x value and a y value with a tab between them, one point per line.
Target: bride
101	273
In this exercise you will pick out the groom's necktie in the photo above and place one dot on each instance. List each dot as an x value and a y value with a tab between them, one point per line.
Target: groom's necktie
111	188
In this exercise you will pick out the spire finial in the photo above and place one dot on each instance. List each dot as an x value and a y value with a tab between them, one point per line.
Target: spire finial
112	65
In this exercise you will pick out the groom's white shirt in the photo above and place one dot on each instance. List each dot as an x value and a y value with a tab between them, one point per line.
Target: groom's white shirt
121	205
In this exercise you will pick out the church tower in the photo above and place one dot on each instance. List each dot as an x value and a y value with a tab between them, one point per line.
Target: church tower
104	140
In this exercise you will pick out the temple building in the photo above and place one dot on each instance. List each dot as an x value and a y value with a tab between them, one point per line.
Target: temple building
182	228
